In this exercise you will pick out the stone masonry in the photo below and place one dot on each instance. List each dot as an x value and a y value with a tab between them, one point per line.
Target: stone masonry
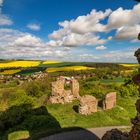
109	101
60	95
75	88
88	105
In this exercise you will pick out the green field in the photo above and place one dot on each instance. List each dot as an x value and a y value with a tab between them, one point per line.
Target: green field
68	118
26	110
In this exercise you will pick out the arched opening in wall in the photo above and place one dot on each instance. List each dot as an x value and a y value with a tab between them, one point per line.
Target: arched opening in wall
67	85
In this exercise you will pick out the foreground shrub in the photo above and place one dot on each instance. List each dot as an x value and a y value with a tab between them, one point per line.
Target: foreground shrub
129	90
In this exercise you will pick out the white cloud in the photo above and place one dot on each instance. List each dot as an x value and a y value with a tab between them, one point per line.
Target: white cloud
74	39
28	40
110	38
80	31
88	23
124	56
5	20
101	48
33	26
83	30
59	34
122	17
1	2
79	40
128	32
16	44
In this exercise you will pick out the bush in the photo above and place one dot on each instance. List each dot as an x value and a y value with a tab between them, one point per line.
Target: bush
129	90
33	89
37	88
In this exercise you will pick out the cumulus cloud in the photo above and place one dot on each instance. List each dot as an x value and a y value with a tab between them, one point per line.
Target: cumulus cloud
110	38
125	55
56	35
88	23
34	26
80	31
4	19
101	48
22	45
1	2
124	17
128	32
74	39
84	29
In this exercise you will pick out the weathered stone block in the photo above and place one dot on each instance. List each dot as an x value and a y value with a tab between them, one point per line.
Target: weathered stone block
109	101
75	88
88	105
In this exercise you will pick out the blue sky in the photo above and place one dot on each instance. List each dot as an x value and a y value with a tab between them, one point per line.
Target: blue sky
69	30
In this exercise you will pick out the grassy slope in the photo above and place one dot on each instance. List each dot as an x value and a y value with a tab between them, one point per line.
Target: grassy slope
68	118
120	115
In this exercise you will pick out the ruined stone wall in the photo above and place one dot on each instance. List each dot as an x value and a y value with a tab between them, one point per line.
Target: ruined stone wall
58	87
60	95
88	105
75	88
109	101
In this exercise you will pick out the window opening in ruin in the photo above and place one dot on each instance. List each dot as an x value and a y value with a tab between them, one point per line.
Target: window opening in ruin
67	85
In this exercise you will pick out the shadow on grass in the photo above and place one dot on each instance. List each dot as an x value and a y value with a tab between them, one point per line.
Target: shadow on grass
37	123
75	108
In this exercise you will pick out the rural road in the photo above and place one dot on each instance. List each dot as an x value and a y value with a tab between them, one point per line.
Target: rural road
84	134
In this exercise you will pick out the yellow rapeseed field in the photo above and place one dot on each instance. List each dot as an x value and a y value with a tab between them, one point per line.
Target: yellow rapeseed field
129	65
10	71
51	62
12	64
127	71
69	68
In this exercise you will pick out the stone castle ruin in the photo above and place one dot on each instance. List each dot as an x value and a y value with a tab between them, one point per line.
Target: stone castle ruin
88	103
60	94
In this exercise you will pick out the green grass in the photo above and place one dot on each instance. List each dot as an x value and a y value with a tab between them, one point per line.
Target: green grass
68	118
120	115
18	135
119	80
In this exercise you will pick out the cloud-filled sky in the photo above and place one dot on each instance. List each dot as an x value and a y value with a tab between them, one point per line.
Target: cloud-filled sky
69	30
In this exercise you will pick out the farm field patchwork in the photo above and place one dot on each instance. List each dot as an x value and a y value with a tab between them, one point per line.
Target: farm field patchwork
13	71
69	68
51	62
12	64
129	65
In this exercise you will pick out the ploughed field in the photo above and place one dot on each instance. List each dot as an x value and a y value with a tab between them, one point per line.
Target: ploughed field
32	66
